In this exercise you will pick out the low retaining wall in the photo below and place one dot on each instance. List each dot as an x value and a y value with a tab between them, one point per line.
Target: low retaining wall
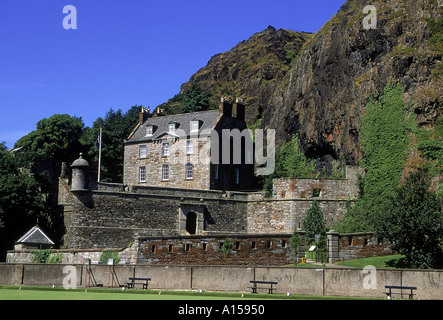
301	281
248	249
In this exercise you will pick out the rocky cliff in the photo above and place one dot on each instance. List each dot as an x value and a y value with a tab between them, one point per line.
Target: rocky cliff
253	70
325	92
317	86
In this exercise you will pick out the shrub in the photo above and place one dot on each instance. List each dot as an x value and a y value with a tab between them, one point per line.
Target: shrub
109	254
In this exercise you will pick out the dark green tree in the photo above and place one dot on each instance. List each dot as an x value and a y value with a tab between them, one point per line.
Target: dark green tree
226	249
314	222
412	221
195	99
116	127
20	200
295	244
57	137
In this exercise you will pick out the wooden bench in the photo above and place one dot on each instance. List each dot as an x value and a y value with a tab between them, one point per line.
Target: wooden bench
142	281
270	284
401	288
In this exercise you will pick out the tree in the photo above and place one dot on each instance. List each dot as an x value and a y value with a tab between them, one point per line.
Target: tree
226	249
195	99
57	137
290	162
116	127
314	222
295	244
412	221
20	200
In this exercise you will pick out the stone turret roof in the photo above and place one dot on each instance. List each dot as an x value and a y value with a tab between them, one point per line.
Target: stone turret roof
207	121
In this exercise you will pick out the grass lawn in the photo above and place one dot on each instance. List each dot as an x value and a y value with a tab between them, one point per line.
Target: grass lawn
46	293
378	262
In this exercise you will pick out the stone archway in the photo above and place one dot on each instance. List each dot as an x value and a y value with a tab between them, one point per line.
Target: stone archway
191	219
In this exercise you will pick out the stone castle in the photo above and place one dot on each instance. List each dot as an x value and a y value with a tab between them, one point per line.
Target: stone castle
171	210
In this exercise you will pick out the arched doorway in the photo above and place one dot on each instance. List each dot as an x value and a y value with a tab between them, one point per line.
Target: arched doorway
191	222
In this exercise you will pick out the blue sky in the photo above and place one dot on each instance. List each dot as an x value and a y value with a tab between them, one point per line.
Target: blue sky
122	53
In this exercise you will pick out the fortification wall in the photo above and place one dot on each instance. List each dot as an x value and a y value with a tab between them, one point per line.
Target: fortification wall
114	215
99	219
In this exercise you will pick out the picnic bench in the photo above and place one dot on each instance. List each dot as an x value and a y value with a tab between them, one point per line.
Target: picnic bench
269	286
401	288
142	281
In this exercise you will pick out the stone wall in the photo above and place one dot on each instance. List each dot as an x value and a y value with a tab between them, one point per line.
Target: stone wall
114	215
272	249
300	281
361	245
285	215
74	256
322	189
100	219
248	249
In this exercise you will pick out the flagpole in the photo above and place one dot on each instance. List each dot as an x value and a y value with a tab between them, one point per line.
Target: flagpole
99	154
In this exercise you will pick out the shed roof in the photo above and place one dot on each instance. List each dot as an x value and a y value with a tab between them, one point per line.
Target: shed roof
35	235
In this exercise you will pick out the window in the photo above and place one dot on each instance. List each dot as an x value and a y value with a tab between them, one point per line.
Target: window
237	245
316	193
216	171
165	149
194	125
171	126
253	245
153	249
189	169
142	174
188	247
165	172
149	130
170	247
143	152
205	246
237	176
189	147
268	244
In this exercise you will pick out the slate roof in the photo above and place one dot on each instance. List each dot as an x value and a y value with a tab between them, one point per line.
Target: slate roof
208	120
36	236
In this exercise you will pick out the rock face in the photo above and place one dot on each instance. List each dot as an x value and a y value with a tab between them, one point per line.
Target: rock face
317	86
325	92
253	69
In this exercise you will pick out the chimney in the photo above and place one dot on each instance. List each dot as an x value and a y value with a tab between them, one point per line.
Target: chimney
225	107
238	109
158	113
143	115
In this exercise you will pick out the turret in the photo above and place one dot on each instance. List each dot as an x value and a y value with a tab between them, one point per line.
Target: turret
80	181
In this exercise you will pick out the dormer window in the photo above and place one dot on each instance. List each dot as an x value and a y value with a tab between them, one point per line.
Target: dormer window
172	127
195	124
149	130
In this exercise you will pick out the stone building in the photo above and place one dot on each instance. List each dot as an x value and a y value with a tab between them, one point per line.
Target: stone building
186	150
175	207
